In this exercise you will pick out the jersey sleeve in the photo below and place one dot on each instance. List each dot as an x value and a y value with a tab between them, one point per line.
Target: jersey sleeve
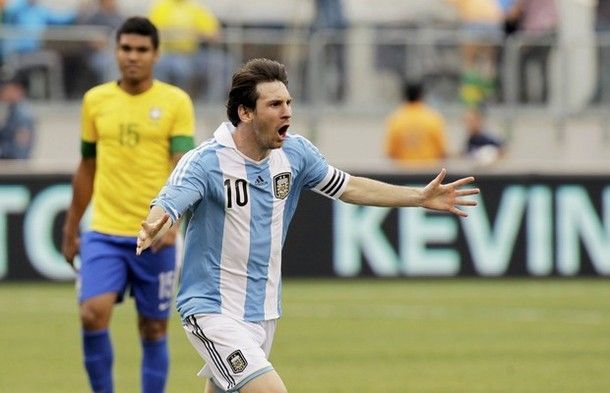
321	177
184	124
87	124
185	187
87	129
183	130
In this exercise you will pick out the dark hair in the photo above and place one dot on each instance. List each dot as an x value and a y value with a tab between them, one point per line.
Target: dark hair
413	91
243	86
140	26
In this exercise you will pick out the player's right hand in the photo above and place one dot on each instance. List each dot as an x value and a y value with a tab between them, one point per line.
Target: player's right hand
148	232
70	246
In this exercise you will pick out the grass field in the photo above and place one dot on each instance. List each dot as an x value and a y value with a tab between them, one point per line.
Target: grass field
352	336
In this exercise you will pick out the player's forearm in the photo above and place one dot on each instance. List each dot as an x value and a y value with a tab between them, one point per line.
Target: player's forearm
82	190
364	191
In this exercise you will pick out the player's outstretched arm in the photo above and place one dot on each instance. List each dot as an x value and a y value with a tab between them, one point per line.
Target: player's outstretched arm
436	196
153	228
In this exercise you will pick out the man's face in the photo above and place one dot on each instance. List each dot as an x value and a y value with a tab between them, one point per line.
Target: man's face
136	57
271	118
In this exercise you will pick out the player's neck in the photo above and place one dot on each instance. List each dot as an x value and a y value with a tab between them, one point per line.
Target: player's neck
135	87
247	144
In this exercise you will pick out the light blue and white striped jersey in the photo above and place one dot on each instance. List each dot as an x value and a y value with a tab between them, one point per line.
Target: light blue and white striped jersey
241	210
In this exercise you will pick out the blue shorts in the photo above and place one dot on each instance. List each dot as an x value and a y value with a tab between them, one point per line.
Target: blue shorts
109	264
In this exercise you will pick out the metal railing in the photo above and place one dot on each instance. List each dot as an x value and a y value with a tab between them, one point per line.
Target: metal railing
360	69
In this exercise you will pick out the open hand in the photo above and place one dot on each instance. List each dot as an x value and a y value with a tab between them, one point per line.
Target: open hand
148	232
447	197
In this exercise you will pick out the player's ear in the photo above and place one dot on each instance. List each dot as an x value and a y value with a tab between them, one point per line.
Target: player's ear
245	114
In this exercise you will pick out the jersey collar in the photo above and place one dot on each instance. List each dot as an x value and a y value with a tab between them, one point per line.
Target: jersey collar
223	134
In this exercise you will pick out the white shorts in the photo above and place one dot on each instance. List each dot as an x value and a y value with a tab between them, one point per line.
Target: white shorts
235	352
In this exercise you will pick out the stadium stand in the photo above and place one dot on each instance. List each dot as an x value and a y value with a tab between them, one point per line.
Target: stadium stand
393	40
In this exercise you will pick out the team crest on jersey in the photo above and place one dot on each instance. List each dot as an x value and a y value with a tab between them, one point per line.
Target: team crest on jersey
237	361
281	185
155	113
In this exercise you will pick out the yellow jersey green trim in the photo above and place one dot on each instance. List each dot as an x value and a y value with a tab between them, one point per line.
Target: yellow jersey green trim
88	149
181	144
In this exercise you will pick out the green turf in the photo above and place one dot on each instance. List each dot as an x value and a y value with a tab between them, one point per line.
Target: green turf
353	336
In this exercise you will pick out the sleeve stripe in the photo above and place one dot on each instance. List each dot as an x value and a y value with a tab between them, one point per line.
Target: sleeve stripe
335	185
337	180
338	186
330	182
180	169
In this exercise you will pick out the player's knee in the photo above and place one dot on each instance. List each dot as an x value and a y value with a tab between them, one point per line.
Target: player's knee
152	329
92	317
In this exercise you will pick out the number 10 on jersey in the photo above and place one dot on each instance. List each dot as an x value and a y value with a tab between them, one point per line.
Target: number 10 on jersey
236	192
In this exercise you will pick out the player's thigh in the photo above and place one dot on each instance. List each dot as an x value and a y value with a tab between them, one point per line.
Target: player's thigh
152	281
269	382
103	268
232	349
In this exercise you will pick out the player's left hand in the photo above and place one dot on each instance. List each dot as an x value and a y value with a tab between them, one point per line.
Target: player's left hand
447	197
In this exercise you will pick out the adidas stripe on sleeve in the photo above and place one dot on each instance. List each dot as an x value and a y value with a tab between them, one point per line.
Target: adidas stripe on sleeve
334	183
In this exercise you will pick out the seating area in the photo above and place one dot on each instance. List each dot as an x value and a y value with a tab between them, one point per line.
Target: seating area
344	107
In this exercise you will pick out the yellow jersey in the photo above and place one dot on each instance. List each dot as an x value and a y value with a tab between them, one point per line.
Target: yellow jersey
416	134
133	138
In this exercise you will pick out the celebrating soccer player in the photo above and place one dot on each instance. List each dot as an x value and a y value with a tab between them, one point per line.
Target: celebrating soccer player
242	188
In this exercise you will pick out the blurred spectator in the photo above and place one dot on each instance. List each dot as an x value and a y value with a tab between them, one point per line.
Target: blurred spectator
26	53
3	21
329	15
537	21
189	33
481	146
99	54
602	27
415	132
17	127
510	23
482	29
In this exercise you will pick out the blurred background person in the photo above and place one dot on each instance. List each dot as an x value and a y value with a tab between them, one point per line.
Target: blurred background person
602	27
98	55
482	30
415	131
330	16
27	53
3	21
537	22
18	123
481	146
189	34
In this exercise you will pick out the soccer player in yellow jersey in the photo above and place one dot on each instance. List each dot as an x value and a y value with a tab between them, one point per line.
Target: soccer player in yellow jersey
133	133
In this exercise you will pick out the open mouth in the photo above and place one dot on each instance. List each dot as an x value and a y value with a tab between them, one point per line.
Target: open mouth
283	130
